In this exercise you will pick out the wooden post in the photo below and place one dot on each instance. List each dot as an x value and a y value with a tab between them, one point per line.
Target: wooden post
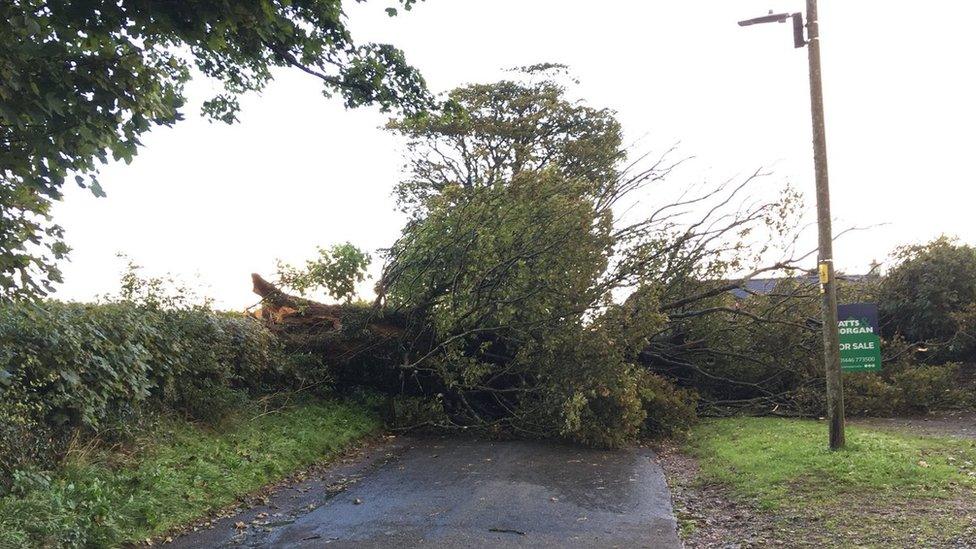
835	385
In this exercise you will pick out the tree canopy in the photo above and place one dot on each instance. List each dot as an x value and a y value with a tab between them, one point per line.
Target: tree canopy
80	82
491	132
517	257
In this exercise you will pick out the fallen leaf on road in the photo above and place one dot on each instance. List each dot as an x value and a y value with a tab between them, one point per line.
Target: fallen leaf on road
507	531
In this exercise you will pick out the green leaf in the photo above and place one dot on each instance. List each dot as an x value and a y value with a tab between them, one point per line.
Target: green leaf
97	190
71	377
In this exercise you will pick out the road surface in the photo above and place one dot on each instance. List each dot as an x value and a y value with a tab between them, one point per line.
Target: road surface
464	493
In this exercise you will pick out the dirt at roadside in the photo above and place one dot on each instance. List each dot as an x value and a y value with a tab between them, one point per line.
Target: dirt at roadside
709	516
955	424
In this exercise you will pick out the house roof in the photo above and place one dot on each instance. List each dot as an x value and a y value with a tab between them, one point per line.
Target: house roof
763	286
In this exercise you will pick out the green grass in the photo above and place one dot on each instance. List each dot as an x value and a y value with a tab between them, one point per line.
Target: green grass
882	487
773	460
180	472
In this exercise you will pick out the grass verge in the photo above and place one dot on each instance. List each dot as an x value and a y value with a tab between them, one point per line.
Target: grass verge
181	471
884	487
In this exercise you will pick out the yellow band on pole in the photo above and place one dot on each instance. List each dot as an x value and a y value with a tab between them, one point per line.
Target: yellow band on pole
824	273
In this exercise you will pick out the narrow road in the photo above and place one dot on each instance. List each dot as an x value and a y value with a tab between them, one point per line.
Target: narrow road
465	493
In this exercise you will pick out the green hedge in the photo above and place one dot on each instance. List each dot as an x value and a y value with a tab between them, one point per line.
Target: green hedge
67	368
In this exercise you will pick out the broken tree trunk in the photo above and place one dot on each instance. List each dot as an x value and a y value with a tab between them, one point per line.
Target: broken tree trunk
337	332
285	312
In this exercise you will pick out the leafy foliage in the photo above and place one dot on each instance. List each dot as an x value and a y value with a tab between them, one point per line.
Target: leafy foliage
669	411
512	257
30	245
81	82
68	366
491	132
763	353
337	270
80	381
500	269
527	229
929	297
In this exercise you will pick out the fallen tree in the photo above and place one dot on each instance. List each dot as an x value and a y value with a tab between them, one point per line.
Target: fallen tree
500	304
357	344
340	330
543	288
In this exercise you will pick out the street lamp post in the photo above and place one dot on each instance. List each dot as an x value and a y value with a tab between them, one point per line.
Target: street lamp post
835	386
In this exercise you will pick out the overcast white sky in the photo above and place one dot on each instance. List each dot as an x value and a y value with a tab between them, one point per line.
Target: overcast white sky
212	203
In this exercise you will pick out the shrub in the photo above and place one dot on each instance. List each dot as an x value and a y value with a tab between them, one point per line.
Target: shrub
929	387
868	394
927	294
208	401
304	370
68	366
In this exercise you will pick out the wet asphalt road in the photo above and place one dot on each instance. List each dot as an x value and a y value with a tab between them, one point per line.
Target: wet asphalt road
465	493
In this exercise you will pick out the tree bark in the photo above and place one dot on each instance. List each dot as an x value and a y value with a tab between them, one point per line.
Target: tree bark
337	330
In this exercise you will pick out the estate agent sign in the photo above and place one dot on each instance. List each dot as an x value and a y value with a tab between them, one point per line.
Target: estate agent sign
860	344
